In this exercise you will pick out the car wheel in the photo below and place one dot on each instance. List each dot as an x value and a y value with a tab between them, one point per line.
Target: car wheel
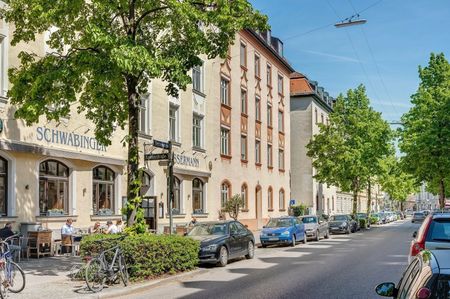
305	239
223	256
263	245
293	241
327	234
317	235
348	230
250	250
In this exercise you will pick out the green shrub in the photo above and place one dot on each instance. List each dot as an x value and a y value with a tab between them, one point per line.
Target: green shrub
299	210
362	222
148	255
373	220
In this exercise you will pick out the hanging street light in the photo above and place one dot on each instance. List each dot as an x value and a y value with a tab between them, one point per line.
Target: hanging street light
351	21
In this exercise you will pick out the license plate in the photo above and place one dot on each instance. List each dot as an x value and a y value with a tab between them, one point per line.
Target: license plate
273	239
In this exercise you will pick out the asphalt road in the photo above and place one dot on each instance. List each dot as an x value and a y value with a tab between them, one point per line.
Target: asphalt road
345	266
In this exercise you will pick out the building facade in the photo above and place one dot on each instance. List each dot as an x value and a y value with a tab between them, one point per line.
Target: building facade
310	106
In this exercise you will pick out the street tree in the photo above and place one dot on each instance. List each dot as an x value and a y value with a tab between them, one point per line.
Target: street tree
346	153
233	206
105	53
425	136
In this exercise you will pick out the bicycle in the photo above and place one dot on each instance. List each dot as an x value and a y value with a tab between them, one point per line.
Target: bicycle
99	271
12	277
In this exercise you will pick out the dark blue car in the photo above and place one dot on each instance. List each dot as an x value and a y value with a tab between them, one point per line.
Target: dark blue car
283	230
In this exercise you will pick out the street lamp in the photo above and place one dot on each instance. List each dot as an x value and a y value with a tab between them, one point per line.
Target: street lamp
351	21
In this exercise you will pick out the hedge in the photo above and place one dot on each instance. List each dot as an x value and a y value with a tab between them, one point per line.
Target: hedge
362	223
148	255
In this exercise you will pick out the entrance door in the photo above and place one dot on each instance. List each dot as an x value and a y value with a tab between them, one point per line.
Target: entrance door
149	207
258	206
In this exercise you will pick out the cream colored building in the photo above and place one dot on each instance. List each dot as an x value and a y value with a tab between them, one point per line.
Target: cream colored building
344	204
310	105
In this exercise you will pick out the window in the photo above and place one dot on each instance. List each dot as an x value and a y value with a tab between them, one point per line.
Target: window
243	148
269	115
269	75
3	64
197	78
225	91
280	84
53	187
173	122
243	53
102	190
176	204
3	186
225	191
321	118
197	196
316	118
280	121
224	141
282	200
270	199
257	66
243	101
197	129
258	152
257	108
144	114
147	184
281	159
244	195
269	156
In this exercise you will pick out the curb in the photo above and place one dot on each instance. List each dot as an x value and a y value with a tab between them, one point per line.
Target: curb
139	287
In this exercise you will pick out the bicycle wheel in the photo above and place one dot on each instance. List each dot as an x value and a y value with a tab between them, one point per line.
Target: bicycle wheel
95	275
16	278
3	282
123	270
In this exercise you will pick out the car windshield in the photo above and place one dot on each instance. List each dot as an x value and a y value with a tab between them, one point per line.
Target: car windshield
279	222
339	218
309	220
439	230
207	229
418	214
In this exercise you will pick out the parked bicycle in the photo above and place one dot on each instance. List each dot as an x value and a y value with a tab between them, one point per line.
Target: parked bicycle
12	277
104	269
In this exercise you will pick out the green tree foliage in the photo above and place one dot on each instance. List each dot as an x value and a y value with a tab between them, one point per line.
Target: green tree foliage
107	52
425	136
234	205
347	152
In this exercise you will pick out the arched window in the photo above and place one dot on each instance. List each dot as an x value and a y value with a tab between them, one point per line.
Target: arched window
103	190
197	196
225	191
53	187
176	204
3	186
282	200
146	187
244	195
270	199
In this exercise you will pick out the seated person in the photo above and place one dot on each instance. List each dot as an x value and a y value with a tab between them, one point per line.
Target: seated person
96	229
112	228
7	232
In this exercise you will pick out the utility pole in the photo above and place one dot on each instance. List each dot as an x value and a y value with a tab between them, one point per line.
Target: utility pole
170	187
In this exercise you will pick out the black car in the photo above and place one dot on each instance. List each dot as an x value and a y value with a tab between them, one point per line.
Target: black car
427	276
342	224
223	240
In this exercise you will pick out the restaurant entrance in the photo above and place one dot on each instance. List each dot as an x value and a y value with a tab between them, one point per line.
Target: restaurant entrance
149	207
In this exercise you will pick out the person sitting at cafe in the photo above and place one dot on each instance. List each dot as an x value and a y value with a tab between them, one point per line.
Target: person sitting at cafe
66	236
96	229
7	232
193	222
112	228
119	225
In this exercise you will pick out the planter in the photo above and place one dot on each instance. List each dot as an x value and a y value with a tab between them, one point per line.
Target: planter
105	212
55	213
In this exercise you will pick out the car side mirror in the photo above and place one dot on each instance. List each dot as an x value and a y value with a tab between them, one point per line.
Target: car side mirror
386	289
264	226
414	234
320	221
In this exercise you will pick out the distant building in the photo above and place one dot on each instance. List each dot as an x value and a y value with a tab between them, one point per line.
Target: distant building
426	200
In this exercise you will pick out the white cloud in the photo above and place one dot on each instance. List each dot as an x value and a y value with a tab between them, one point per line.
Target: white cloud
333	56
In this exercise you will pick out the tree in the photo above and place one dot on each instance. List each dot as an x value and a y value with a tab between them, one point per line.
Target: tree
425	136
233	206
107	52
346	152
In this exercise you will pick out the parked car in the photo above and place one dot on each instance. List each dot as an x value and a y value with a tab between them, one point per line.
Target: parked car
283	230
221	241
408	213
418	217
315	227
383	217
427	276
363	216
434	233
342	224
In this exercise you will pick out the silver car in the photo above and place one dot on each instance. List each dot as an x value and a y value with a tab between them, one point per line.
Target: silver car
418	217
315	227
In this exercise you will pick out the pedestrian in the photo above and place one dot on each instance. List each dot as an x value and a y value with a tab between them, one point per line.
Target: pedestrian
112	228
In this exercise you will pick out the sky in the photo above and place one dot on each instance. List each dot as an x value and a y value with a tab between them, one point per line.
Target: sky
383	54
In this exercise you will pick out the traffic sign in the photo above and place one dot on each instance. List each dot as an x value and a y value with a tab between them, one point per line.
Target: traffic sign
292	202
163	156
161	144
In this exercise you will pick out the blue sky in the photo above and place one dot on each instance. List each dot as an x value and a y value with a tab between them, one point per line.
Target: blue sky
384	54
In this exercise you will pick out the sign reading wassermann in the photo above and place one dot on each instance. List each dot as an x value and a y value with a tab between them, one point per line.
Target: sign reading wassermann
185	160
68	138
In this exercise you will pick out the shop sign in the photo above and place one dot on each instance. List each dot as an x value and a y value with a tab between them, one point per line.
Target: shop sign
186	160
68	138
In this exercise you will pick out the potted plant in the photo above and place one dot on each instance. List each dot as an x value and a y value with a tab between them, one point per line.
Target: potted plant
55	212
105	212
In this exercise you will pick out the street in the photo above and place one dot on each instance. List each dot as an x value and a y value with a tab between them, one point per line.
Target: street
345	266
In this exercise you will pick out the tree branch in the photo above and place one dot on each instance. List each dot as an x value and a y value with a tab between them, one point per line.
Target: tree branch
149	12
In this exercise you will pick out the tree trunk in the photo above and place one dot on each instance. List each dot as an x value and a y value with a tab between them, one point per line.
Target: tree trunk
355	188
133	180
369	199
441	194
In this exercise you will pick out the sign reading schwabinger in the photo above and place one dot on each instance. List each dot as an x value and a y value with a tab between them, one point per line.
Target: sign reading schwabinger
68	138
